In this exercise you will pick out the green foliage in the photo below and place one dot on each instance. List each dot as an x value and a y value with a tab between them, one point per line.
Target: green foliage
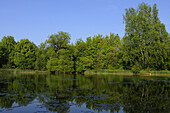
65	62
98	52
60	53
83	64
146	39
104	71
8	44
3	54
59	41
25	56
52	64
17	70
136	68
41	57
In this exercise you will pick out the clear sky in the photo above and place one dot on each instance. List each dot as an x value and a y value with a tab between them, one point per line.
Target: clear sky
38	19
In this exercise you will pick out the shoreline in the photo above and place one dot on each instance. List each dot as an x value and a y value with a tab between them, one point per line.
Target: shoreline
91	73
141	74
25	72
88	73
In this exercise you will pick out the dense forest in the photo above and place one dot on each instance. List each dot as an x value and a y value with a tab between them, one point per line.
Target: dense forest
145	45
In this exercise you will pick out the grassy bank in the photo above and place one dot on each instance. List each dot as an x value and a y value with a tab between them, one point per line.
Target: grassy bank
161	72
21	71
156	72
114	72
128	72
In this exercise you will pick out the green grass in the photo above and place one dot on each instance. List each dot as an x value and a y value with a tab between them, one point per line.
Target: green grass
3	70
20	71
160	72
110	71
128	71
156	72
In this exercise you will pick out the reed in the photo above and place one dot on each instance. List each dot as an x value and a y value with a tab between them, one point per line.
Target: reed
109	71
3	70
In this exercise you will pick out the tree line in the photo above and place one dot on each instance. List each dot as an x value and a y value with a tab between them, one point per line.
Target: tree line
145	45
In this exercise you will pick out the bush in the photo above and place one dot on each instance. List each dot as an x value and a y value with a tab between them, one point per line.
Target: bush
136	68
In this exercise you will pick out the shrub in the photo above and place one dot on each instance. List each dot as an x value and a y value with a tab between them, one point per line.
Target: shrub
136	68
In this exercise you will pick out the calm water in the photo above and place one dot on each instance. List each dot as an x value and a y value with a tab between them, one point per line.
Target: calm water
84	93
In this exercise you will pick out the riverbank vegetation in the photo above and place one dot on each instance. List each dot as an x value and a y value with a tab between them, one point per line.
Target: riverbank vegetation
9	70
145	46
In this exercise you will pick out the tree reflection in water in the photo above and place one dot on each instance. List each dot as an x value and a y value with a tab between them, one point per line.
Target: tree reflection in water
99	93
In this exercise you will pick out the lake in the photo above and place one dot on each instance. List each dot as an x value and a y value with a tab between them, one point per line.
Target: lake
84	93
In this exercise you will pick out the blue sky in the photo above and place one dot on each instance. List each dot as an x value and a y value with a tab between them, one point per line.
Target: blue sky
38	19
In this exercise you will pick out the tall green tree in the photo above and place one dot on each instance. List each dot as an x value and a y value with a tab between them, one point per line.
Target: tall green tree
60	53
65	59
9	43
98	52
81	62
41	57
112	51
3	54
59	41
145	38
25	54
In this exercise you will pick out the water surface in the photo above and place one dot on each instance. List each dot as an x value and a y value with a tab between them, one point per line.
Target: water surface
84	93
